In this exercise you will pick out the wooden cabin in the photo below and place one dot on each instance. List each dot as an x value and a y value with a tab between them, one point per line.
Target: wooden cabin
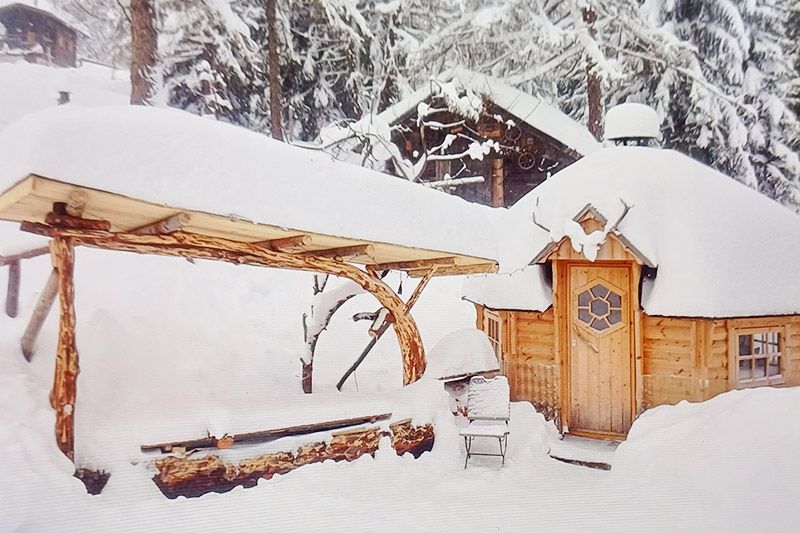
639	277
439	126
36	32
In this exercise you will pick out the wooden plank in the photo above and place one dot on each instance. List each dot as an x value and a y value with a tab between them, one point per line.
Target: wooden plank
33	198
415	265
498	183
458	270
265	435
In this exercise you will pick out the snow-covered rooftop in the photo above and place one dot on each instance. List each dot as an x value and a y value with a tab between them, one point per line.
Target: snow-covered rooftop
721	248
527	108
176	159
50	8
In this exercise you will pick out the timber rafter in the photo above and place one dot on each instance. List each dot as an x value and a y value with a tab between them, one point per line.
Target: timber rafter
195	246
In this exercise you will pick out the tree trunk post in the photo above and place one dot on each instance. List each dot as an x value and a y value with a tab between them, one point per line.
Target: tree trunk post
144	50
63	395
594	86
273	65
12	296
307	376
40	312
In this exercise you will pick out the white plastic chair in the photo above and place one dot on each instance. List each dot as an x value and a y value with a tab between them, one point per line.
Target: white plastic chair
488	411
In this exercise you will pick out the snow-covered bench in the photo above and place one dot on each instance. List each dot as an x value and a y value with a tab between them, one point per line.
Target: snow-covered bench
488	411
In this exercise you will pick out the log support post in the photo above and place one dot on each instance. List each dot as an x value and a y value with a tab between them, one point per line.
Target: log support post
12	295
498	183
40	312
63	395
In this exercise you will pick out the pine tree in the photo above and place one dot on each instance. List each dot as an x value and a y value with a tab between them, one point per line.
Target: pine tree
210	64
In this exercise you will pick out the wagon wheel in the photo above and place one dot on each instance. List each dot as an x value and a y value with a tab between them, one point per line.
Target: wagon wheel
526	160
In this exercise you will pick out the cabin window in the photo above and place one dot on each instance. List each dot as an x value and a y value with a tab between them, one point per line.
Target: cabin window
600	308
759	356
492	328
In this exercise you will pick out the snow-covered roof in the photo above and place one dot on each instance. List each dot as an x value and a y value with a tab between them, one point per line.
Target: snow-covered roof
521	290
721	248
529	109
632	120
162	157
49	8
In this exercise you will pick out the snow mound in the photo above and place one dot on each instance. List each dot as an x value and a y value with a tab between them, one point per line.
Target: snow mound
632	120
462	352
730	455
523	290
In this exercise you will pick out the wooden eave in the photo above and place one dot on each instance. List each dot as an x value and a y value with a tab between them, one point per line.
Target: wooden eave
32	198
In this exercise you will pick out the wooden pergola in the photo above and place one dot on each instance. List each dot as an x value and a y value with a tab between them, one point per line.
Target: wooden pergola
73	215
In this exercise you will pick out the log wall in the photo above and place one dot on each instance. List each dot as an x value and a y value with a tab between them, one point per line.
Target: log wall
682	358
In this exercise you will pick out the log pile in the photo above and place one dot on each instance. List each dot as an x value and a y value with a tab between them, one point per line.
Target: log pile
190	477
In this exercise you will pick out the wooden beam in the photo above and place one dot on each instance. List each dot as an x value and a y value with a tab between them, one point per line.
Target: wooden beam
169	224
459	270
498	183
414	265
344	253
40	312
12	294
296	243
28	254
378	333
68	221
63	395
190	245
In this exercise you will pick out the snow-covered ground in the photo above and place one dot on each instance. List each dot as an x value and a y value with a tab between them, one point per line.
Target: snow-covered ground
171	349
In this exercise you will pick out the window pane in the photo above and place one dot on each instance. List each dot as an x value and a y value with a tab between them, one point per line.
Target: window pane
599	291
614	299
584	315
761	368
745	344
774	366
584	298
744	370
615	317
599	324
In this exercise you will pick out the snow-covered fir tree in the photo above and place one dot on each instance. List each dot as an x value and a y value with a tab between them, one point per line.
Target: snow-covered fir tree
210	64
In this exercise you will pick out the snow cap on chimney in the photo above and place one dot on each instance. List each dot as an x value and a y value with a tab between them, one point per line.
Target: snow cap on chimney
632	125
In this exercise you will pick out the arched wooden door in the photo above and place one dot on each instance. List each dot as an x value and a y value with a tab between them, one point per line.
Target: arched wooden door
599	347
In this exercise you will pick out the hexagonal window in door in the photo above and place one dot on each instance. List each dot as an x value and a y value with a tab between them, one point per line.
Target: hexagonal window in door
599	307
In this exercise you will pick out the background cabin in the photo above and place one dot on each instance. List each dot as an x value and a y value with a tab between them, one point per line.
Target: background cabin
438	126
667	298
35	32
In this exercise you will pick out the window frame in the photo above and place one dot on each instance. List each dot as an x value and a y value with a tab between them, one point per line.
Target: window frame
493	319
733	360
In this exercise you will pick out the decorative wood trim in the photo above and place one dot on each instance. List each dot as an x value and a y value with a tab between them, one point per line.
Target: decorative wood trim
637	383
458	270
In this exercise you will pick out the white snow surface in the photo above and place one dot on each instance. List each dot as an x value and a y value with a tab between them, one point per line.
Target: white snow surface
181	160
26	88
521	290
461	352
529	109
632	120
721	248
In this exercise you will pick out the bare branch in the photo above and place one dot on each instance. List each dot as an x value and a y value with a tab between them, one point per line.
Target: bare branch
627	208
